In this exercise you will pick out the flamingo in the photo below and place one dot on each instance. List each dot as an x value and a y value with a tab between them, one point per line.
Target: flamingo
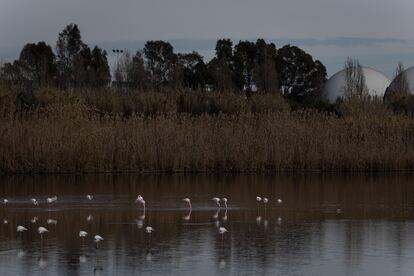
89	197
188	201
34	201
265	201
52	221
41	230
21	229
83	234
224	199
149	229
97	239
258	200
221	232
216	200
51	199
140	200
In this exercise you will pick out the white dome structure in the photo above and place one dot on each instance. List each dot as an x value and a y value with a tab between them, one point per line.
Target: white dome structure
408	75
376	82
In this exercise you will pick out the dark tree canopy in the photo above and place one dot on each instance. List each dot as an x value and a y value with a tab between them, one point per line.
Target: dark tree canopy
159	57
37	63
246	67
195	75
68	45
300	76
245	56
265	69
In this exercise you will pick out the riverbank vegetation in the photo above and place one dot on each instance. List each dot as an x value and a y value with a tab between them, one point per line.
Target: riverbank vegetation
252	108
66	132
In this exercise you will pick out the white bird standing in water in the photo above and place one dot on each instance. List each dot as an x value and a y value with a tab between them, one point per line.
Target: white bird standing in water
279	201
224	199
34	201
141	201
97	239
51	199
89	197
83	234
52	221
149	229
21	229
216	200
188	201
5	201
41	230
265	201
258	200
221	232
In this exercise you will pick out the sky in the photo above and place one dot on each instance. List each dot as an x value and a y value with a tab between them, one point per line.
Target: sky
377	32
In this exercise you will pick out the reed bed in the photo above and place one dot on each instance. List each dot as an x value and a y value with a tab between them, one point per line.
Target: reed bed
83	134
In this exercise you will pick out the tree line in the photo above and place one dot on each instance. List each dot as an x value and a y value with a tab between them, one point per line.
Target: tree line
245	67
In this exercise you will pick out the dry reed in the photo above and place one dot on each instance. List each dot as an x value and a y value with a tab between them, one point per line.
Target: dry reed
168	132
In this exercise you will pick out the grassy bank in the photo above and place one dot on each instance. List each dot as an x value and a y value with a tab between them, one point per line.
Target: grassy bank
61	132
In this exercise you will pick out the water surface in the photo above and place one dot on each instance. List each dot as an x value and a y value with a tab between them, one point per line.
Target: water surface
326	225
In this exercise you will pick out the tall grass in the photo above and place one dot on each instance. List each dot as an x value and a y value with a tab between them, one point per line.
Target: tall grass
104	131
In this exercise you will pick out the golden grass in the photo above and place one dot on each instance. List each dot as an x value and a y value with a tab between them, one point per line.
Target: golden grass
168	132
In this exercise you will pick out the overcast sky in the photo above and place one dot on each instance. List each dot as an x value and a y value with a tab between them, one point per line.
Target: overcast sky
376	31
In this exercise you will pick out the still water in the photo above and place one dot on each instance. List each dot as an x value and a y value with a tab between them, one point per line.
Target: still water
325	225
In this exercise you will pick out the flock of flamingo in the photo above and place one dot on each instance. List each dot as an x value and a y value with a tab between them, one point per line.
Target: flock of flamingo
140	200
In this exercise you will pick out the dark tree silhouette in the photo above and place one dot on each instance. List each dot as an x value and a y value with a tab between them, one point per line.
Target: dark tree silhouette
195	74
301	78
37	64
245	54
68	45
159	60
265	69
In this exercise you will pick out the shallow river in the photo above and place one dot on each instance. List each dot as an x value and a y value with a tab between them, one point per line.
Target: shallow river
325	225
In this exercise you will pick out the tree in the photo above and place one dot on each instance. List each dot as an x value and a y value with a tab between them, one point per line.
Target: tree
37	63
159	59
245	55
11	72
99	75
80	76
130	71
398	95
301	78
265	68
68	45
400	81
355	85
221	66
194	70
